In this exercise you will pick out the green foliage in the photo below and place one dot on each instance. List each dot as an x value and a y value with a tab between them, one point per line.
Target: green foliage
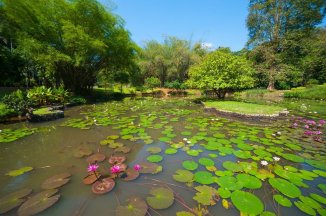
77	100
314	92
6	112
41	95
17	101
175	85
152	82
222	72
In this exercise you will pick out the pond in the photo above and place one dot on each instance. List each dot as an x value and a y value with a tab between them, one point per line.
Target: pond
204	163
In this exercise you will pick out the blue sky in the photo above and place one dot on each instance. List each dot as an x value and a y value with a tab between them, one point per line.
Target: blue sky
217	22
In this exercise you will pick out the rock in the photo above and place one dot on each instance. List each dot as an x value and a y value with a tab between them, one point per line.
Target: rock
284	112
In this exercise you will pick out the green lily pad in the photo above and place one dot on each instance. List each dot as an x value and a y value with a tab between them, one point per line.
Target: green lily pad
193	152
206	162
229	182
203	177
318	164
154	150
318	198
310	202
113	137
161	198
322	187
18	172
249	181
267	213
242	154
183	176
285	187
234	167
224	193
135	206
283	201
294	158
305	208
115	145
13	200
205	195
170	151
190	165
320	173
184	213
213	155
247	203
154	158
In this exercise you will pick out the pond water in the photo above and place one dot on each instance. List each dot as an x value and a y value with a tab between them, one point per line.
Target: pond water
224	168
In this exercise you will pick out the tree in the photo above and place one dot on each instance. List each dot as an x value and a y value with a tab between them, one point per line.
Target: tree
221	72
152	82
269	21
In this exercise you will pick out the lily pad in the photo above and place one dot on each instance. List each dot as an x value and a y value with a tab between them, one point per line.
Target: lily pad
97	157
234	167
56	181
154	158
91	178
170	151
135	206
247	203
82	151
18	172
115	145
206	195
193	152
13	200
103	186
305	208
206	162
184	213
113	137
190	165
310	202
224	193
131	174
229	182
123	149
39	202
154	150
183	176
203	177
318	198
285	187
320	172
161	198
318	164
117	159
242	154
283	201
147	167
249	181
294	158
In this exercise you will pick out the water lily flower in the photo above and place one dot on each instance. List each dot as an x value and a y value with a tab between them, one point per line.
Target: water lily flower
295	124
264	163
92	167
115	169
322	122
188	142
276	158
306	126
185	139
137	167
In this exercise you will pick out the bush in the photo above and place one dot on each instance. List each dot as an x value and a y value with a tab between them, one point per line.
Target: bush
175	85
42	96
77	100
314	92
17	101
6	112
152	82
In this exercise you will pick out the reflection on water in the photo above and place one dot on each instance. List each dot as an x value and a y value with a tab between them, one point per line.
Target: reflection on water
50	151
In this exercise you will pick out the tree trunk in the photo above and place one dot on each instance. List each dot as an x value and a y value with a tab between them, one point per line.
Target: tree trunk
271	85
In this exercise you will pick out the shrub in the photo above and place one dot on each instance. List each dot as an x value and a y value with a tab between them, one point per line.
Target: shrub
77	100
152	82
17	101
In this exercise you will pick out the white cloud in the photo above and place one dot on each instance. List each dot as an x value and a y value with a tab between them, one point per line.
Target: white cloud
207	45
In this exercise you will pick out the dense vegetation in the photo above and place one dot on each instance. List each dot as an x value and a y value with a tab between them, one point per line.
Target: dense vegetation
80	44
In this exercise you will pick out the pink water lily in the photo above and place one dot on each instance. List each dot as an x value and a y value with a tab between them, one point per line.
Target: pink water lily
92	167
115	169
137	167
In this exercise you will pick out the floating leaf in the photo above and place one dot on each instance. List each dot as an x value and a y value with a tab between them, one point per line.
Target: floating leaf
95	158
242	154
203	177
205	195
234	167
161	198
39	203
135	206
282	200
103	186
154	150
225	204
267	213
130	174
224	193
112	137
294	158
322	187
229	182
206	162
285	187
115	145
190	165
13	200
318	164
193	152
310	202
56	181
91	178
170	151
147	167
183	176
82	151
18	172
247	202
318	198
305	208
123	149
184	213
320	172
249	181
117	159
154	158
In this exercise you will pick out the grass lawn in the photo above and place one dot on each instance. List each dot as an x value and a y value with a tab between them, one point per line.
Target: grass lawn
241	107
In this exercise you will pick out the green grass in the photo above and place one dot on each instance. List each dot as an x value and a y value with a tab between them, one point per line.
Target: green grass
42	111
245	108
314	92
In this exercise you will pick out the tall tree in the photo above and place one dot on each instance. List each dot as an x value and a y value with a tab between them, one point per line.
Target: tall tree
270	20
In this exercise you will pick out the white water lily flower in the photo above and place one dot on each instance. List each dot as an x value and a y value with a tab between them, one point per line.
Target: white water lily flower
276	158
185	139
264	163
188	142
